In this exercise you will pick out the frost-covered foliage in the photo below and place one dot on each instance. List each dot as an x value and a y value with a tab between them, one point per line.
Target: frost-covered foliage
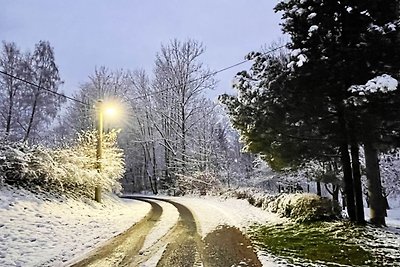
198	183
380	85
69	170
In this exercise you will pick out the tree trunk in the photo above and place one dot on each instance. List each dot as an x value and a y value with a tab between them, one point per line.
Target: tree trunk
183	132
29	128
376	201
319	193
348	181
9	113
155	191
355	162
343	202
336	193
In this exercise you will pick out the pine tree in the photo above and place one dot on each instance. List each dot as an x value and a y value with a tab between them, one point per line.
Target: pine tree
345	44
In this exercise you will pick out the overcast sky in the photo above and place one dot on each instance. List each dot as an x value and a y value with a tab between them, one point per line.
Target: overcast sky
128	33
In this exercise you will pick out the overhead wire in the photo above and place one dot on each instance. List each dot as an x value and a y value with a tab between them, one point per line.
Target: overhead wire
147	95
43	88
210	74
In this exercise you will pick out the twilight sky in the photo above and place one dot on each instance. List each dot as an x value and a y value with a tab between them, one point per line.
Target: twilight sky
128	33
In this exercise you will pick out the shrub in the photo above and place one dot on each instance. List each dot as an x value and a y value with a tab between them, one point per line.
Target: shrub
304	207
69	170
301	207
198	183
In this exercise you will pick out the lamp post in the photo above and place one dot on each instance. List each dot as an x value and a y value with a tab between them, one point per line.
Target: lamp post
110	111
99	150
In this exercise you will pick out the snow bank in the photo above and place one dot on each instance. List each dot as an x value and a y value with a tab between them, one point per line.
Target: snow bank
47	231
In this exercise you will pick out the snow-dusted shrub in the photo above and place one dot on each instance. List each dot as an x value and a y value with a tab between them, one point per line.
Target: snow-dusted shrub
21	164
252	195
269	203
198	183
301	207
79	163
304	207
71	170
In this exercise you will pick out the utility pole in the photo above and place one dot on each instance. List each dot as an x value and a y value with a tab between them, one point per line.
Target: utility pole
99	151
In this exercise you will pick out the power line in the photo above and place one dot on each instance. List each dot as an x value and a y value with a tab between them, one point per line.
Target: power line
43	88
145	96
210	74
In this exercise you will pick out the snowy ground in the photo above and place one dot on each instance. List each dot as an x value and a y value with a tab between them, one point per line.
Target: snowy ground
38	232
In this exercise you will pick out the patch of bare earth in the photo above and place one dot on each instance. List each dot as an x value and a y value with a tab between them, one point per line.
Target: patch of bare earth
227	246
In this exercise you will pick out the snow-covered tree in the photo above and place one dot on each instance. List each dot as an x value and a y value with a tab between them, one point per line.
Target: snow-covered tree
298	110
27	110
346	44
10	90
180	82
40	106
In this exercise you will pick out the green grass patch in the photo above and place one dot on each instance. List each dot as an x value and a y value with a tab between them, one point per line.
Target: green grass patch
323	243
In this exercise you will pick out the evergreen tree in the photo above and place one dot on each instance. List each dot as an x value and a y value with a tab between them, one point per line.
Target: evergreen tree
304	108
346	43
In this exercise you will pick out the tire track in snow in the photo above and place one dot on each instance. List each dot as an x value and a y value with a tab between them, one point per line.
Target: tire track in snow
184	242
120	250
180	246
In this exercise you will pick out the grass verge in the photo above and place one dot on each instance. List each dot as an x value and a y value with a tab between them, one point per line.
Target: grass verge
319	244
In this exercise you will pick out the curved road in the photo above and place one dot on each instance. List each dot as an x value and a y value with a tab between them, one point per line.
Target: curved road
183	245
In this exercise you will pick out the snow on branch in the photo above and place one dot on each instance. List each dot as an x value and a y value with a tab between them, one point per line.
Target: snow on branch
380	84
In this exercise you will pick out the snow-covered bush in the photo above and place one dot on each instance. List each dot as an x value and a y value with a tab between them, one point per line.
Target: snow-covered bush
23	165
78	163
198	183
304	207
301	207
69	170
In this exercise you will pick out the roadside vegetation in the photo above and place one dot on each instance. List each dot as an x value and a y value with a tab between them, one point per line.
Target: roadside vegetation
69	170
328	244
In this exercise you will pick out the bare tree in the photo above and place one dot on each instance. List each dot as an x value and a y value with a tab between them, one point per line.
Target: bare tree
11	63
41	107
181	80
103	84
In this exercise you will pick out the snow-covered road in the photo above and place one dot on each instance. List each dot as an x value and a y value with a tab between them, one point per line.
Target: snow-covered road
176	235
35	231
